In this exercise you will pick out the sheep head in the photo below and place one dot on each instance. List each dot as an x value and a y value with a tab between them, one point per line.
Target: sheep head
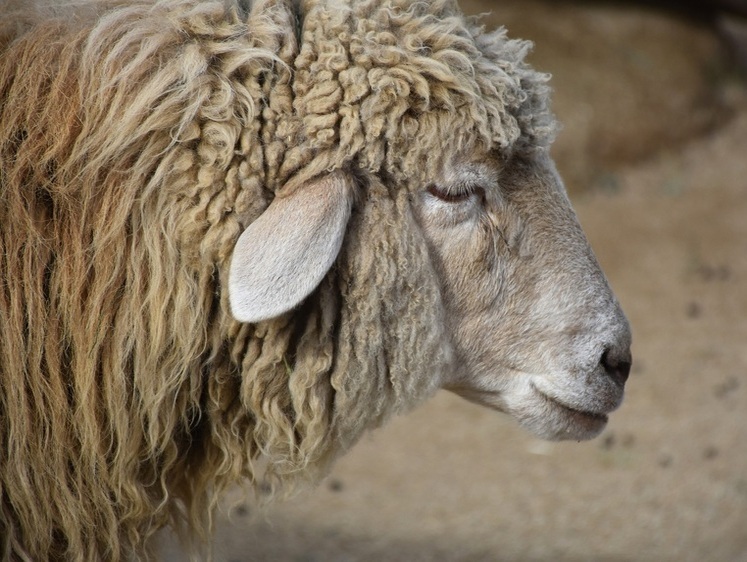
462	265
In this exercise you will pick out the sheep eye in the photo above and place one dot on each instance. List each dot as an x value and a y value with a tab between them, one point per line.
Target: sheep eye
449	196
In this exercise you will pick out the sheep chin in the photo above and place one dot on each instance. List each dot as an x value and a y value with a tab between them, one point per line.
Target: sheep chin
542	415
555	421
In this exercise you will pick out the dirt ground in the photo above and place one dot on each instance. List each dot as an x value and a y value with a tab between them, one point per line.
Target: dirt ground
667	480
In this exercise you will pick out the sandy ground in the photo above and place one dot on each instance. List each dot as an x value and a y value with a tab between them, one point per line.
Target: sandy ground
666	481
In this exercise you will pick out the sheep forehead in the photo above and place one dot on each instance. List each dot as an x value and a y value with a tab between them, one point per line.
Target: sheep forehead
393	85
473	171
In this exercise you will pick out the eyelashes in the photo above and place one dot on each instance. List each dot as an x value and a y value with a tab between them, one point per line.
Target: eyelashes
456	196
459	204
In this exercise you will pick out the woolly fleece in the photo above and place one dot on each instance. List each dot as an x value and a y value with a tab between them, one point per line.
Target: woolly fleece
137	140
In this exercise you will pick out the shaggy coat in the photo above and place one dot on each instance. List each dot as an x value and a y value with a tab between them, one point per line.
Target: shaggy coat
138	139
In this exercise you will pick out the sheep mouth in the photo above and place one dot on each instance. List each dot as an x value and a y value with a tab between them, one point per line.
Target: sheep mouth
585	416
542	415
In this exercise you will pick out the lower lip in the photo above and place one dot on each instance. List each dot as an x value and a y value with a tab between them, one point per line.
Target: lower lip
597	419
582	418
588	416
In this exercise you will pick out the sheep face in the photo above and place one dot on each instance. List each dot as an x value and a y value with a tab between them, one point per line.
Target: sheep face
484	272
537	332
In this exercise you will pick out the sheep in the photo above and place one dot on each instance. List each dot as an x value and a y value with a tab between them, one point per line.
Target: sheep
235	236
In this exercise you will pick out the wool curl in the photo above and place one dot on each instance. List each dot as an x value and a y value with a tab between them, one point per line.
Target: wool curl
137	140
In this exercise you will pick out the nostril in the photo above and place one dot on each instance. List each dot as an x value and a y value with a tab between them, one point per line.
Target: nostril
615	367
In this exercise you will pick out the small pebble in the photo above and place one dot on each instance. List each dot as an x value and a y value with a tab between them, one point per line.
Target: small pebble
609	441
710	453
665	461
694	310
714	273
725	388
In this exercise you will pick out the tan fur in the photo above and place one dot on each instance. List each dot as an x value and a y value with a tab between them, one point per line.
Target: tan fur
137	140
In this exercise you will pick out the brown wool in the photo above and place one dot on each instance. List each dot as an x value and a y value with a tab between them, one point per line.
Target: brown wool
137	140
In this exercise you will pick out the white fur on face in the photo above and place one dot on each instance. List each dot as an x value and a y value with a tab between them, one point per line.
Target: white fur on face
529	310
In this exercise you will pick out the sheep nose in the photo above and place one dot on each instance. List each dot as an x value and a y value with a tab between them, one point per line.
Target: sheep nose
616	364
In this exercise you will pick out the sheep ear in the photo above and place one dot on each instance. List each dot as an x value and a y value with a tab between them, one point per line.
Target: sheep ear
286	252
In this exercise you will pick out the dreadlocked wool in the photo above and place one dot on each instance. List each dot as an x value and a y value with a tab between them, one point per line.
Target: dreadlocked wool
138	139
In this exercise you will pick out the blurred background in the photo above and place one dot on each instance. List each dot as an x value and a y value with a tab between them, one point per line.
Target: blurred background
653	99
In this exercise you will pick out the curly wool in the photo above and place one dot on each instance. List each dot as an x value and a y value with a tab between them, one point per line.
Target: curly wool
137	140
